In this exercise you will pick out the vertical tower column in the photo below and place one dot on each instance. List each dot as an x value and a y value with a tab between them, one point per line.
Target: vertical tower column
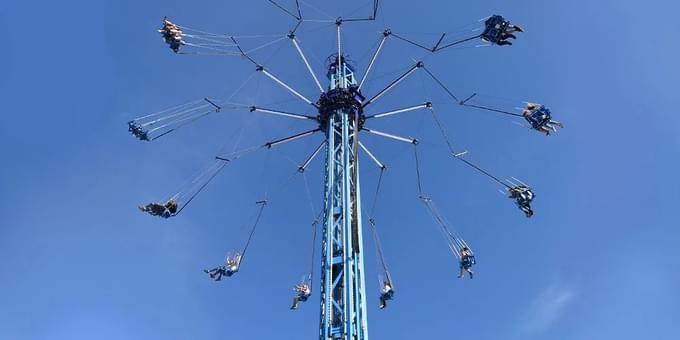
343	297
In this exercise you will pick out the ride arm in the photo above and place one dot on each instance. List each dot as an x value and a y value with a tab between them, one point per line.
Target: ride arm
381	165
391	136
296	43
297	16
426	105
491	109
372	17
281	113
437	47
459	157
465	101
304	165
386	34
394	83
261	68
269	145
240	153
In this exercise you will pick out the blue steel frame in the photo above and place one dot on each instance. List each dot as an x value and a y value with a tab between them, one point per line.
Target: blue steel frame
343	293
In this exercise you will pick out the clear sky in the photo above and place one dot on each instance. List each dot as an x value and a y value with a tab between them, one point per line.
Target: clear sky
598	261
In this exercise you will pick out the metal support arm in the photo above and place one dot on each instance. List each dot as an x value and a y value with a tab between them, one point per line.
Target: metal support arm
296	43
386	34
261	68
391	136
406	109
370	154
290	138
491	109
281	113
394	83
304	165
436	47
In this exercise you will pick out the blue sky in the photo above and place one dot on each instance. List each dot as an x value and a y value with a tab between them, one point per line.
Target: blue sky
598	261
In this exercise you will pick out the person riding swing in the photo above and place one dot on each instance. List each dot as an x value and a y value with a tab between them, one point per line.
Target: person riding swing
499	31
466	262
386	293
540	118
302	293
172	35
230	267
523	197
164	210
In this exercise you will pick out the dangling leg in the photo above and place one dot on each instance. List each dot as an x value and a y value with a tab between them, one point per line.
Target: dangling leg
460	275
209	272
383	302
503	43
469	270
554	122
296	301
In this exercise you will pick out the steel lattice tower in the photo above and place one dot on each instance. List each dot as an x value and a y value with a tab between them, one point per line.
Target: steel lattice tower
343	295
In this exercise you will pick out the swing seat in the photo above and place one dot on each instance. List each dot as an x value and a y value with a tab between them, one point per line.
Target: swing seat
495	26
540	117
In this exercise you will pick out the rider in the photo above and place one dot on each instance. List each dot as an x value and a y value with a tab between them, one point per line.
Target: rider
523	196
498	30
172	34
540	119
231	266
163	210
302	293
386	293
466	262
137	130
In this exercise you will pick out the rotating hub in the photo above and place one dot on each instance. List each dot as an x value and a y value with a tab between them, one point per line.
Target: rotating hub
340	100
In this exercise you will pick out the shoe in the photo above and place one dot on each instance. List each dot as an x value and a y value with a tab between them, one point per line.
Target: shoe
206	271
382	306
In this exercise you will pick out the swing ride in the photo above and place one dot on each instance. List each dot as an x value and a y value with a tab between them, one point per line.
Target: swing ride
344	112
